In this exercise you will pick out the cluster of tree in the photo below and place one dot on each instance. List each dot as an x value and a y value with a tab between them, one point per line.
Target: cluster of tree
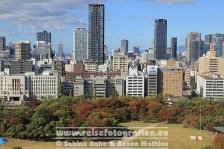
38	119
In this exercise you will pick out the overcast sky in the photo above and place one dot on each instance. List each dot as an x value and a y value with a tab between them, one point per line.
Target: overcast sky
125	19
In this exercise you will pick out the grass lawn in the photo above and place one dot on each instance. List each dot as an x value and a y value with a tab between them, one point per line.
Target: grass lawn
178	138
28	144
135	124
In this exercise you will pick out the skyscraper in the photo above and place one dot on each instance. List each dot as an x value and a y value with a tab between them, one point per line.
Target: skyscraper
217	40
160	38
2	43
60	51
124	46
80	44
194	46
173	47
44	36
23	50
96	33
43	49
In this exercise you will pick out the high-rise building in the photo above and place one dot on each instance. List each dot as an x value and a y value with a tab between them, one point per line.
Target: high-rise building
120	62
210	85
135	85
2	43
211	64
174	47
152	75
136	50
44	36
96	33
106	53
170	81
23	50
43	49
80	44
194	46
160	38
12	51
124	46
60	51
217	40
60	67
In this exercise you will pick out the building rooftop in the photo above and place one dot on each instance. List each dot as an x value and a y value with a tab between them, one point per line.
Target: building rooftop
170	68
211	76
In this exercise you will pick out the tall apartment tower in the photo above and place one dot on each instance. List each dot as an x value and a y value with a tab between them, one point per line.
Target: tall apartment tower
160	38
152	75
23	50
124	46
2	43
194	46
96	33
80	44
44	36
43	47
217	40
174	47
60	51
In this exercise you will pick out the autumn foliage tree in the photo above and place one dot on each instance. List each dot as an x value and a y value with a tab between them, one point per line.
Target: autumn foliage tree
219	142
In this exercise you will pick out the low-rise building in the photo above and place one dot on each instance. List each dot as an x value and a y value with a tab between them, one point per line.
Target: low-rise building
28	86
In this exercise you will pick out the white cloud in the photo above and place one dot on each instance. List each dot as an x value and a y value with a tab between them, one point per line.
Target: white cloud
172	1
43	14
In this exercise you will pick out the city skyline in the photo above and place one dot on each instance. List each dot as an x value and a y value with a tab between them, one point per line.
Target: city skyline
123	20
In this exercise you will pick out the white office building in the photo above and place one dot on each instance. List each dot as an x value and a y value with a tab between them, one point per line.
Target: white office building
135	83
210	86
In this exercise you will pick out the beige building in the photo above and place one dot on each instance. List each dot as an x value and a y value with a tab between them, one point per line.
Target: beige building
120	62
187	77
171	81
209	63
168	63
13	88
98	86
23	50
28	86
90	65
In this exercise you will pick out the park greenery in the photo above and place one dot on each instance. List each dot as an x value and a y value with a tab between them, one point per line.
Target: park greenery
38	119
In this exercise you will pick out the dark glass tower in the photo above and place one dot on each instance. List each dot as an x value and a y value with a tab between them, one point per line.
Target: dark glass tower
44	36
160	38
124	46
2	43
96	33
173	47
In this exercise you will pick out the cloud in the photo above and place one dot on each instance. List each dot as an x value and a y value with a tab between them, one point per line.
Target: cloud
6	31
172	1
44	14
